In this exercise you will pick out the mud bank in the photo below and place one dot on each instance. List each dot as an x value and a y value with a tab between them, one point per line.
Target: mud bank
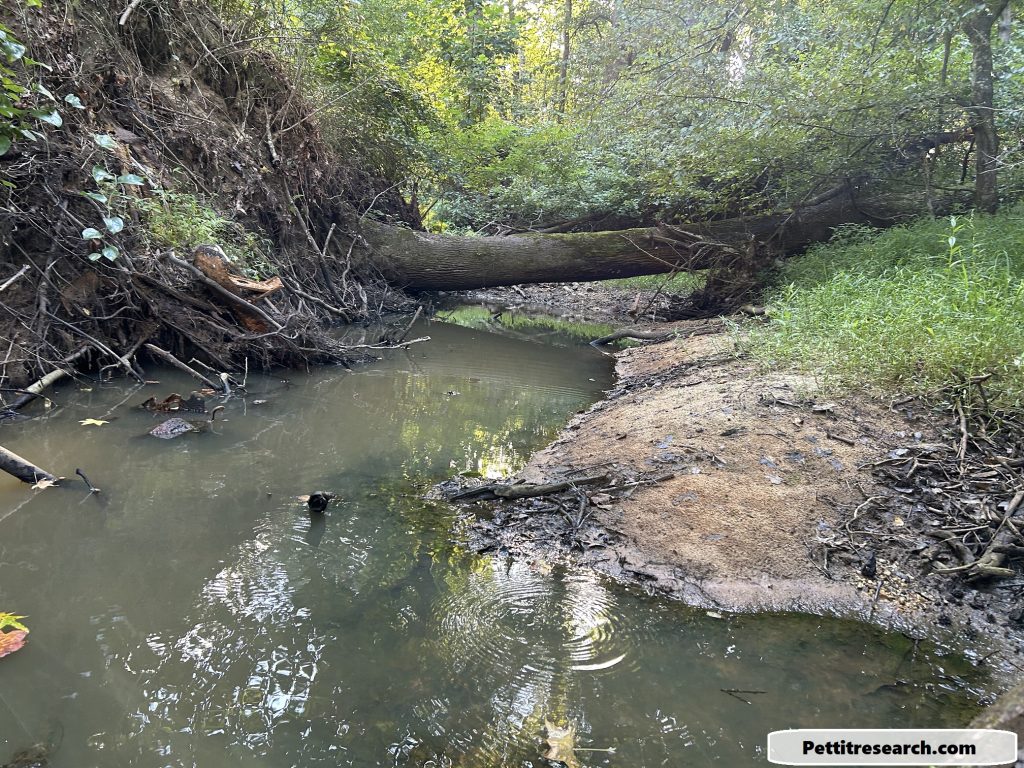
736	489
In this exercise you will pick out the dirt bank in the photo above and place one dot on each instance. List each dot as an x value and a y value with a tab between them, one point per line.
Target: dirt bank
738	489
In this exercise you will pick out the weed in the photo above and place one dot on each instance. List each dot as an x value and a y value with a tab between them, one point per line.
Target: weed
911	308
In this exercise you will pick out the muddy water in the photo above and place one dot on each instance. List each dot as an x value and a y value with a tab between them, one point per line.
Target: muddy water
194	614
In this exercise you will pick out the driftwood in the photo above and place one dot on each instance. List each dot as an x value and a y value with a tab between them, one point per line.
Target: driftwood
522	491
626	333
168	357
654	335
23	469
34	390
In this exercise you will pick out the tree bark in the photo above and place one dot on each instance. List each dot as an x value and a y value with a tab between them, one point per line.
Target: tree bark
978	27
563	63
421	261
23	469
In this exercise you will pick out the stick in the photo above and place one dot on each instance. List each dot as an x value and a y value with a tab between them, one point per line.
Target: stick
128	12
412	322
33	391
168	357
14	277
24	470
510	492
629	334
92	488
122	360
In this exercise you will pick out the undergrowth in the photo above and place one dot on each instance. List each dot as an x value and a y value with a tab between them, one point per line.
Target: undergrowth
911	309
182	220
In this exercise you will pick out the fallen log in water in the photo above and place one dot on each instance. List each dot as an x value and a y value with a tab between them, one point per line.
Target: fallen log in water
23	469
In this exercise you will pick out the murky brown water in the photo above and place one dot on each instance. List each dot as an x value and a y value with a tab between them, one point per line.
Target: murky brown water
195	615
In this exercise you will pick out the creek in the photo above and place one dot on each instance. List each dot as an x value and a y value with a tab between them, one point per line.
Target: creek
195	614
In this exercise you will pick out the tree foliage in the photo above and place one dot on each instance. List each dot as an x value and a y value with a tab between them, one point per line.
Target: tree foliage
523	114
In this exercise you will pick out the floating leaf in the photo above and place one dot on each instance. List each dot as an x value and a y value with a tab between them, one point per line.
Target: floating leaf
10	621
100	174
131	180
74	101
42	483
91	233
105	141
11	642
114	224
110	252
93	422
52	118
5	144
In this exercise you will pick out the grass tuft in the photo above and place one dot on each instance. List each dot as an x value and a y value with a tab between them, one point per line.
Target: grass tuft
911	309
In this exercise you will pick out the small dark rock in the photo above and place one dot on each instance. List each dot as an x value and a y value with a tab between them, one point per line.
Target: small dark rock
870	567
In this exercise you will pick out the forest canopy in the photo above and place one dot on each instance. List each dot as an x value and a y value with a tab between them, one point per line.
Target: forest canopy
513	115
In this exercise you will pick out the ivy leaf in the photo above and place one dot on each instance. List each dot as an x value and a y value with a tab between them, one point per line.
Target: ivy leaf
105	141
110	252
11	642
93	422
5	144
91	233
101	199
74	101
52	118
95	256
130	179
100	174
114	224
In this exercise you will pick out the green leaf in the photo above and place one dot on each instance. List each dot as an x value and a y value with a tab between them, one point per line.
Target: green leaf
91	233
5	144
12	48
110	252
105	141
101	199
130	179
52	118
100	174
12	621
40	88
114	224
30	135
95	256
74	101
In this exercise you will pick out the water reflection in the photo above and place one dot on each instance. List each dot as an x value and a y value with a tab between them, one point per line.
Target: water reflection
204	618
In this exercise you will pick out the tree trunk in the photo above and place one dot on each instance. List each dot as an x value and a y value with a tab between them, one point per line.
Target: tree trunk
978	26
563	63
420	261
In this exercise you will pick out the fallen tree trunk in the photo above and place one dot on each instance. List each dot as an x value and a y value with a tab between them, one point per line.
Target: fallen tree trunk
24	470
421	261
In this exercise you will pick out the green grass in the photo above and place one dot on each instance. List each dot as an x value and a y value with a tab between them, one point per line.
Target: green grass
678	284
910	309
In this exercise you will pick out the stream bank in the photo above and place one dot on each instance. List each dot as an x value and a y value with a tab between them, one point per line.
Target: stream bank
738	489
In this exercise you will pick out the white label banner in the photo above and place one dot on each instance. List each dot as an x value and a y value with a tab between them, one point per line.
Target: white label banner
903	746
